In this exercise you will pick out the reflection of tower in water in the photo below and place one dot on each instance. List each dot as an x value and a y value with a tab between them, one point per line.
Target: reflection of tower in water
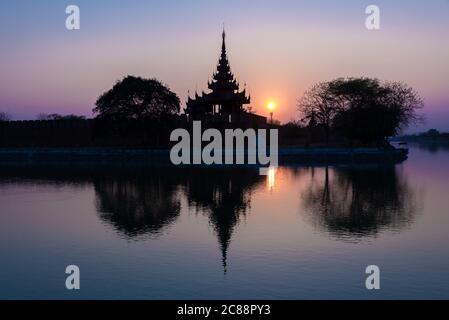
140	202
223	195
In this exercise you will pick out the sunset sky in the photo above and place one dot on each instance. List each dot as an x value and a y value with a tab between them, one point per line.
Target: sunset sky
279	48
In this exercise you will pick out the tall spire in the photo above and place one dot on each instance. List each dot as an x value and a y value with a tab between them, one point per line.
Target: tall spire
223	46
224	87
223	79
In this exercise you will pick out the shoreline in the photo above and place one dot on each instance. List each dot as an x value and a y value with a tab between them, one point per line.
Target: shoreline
292	155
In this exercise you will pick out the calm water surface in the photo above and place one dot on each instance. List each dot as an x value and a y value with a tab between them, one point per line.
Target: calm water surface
192	233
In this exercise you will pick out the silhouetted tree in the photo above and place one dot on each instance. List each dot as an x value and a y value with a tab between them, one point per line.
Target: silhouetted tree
431	134
362	108
137	98
56	116
374	111
4	117
319	107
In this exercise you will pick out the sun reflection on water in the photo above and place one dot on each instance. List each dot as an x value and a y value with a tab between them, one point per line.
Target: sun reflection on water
271	178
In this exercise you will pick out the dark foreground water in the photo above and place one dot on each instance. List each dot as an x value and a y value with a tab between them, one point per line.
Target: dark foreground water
196	233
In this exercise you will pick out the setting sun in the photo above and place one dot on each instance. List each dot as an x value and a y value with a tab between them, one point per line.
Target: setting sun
271	105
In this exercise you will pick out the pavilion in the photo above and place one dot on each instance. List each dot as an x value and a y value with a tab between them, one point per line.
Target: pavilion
225	103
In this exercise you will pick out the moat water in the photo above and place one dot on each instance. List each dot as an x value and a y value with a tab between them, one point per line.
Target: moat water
158	232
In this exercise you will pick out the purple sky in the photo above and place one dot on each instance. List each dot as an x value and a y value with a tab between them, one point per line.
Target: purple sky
279	48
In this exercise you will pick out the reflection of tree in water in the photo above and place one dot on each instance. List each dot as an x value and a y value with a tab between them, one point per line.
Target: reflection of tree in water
224	195
138	201
433	147
145	201
360	201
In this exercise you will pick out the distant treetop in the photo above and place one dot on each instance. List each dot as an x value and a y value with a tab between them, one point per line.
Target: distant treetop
4	117
137	98
56	116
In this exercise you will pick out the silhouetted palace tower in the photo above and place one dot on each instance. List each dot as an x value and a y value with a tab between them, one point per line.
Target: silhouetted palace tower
225	102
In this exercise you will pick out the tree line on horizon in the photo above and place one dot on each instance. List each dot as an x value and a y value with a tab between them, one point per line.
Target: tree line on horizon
363	110
4	117
432	135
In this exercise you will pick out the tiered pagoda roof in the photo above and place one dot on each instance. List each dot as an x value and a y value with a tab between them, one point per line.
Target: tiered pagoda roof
224	90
